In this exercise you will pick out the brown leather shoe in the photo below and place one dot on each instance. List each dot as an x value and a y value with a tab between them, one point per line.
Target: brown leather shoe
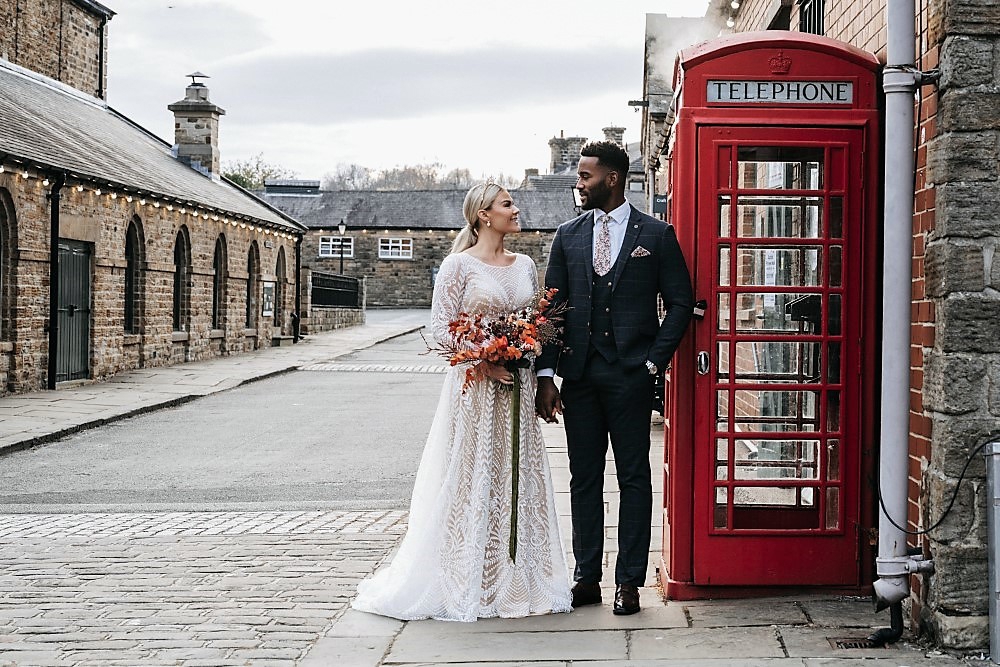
626	600
584	594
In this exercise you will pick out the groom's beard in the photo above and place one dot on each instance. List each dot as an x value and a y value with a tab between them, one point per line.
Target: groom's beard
597	197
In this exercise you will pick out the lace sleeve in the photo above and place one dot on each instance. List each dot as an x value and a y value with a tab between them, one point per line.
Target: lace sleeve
446	303
534	274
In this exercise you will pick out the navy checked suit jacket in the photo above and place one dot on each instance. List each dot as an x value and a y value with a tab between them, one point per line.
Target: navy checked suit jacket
636	282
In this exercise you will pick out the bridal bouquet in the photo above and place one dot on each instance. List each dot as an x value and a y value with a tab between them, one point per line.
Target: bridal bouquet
510	340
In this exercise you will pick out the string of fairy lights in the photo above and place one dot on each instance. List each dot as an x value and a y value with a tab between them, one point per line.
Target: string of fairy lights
734	8
193	211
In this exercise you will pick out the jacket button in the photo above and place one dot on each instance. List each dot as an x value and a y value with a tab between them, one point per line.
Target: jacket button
606	333
607	310
609	284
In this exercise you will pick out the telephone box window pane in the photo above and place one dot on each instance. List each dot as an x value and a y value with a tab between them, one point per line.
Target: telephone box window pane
721	472
833	460
776	361
776	459
832	508
833	363
721	509
775	411
836	217
722	361
724	212
724	266
833	411
722	404
787	266
836	265
775	508
786	496
770	312
723	311
780	216
721	450
834	324
780	168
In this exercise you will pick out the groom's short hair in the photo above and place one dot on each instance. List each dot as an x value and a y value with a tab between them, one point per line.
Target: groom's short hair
609	154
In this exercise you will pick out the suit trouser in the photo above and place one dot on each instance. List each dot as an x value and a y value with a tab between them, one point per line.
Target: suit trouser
609	401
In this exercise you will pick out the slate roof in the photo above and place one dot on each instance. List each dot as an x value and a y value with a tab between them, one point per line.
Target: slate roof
541	210
51	126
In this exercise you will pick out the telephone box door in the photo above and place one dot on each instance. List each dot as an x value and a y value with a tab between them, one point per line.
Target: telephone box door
778	385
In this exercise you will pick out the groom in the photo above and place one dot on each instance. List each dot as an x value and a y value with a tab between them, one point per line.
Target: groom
610	264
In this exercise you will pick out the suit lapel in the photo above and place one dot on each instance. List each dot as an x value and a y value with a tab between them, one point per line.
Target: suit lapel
587	238
633	227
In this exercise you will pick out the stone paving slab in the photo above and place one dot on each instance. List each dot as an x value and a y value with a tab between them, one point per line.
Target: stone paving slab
690	643
444	646
735	613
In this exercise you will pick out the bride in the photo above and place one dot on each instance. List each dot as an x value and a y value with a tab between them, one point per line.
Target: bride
453	563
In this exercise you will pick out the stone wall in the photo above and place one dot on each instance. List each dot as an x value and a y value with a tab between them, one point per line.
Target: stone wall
962	364
327	318
407	283
57	38
102	222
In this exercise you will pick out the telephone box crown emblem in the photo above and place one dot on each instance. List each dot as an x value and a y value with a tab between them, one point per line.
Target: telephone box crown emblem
780	64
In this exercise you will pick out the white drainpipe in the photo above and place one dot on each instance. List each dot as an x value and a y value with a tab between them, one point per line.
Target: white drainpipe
901	80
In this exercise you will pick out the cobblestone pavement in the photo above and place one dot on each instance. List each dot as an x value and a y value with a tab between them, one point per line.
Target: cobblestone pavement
181	588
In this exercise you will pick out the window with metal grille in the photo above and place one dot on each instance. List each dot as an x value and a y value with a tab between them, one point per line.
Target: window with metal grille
811	16
182	281
253	278
218	282
395	248
133	262
333	246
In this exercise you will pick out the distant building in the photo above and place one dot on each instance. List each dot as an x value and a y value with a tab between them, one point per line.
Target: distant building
396	240
117	249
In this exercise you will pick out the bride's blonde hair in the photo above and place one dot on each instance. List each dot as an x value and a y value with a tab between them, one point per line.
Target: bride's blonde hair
479	198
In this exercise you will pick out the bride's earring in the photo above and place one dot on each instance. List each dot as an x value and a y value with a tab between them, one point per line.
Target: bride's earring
488	223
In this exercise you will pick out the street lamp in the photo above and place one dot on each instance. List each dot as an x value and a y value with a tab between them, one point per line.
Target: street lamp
342	228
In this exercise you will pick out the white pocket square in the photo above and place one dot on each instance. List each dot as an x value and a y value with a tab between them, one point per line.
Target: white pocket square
640	252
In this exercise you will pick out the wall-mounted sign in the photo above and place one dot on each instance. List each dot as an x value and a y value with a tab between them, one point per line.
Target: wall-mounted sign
267	299
659	203
781	92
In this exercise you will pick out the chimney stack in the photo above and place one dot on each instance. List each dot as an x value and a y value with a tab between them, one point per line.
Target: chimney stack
196	128
615	135
565	153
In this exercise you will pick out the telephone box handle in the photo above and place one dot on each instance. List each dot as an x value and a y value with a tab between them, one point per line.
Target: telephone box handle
703	363
700	306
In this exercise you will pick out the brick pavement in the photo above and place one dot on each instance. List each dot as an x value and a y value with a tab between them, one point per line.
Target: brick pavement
181	588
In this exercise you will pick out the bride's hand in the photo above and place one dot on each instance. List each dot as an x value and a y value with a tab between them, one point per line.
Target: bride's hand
496	372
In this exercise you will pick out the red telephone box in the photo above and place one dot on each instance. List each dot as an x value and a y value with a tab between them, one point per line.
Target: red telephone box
770	431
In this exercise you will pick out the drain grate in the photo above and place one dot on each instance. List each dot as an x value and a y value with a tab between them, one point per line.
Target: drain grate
853	643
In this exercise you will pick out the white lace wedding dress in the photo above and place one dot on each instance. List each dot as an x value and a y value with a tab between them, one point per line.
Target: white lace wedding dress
453	563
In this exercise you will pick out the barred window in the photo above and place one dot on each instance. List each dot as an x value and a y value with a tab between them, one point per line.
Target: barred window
395	248
182	281
133	263
219	275
811	16
333	246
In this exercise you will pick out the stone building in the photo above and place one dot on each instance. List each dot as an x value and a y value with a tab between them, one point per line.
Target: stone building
955	306
396	240
117	249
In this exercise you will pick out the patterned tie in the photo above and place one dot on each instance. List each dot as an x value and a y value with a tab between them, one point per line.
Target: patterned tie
602	251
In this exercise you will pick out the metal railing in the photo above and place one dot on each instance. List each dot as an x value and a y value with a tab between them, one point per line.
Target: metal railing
333	290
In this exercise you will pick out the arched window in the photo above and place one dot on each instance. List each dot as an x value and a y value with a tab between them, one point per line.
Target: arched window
279	290
253	285
220	273
8	258
182	281
133	277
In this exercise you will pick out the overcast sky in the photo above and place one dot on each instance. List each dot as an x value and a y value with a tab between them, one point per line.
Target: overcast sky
382	83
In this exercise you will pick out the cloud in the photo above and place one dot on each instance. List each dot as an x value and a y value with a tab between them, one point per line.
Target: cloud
395	83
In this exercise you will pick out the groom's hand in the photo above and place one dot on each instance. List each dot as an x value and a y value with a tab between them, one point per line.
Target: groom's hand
547	401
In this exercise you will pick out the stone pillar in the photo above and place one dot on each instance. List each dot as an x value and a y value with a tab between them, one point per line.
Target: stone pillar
962	267
565	153
196	128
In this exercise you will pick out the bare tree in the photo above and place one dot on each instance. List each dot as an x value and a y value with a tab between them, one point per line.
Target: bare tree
349	177
252	173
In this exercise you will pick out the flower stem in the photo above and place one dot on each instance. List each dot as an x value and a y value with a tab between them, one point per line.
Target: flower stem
515	464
